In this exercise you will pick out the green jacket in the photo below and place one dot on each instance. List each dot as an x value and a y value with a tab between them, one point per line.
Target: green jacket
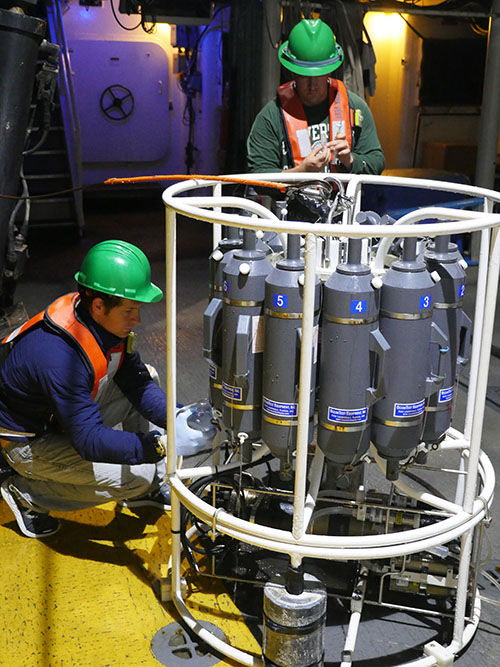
267	145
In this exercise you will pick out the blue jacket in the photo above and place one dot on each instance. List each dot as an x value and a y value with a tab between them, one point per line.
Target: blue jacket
45	384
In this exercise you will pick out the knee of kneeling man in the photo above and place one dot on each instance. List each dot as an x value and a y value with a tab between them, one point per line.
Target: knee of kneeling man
139	478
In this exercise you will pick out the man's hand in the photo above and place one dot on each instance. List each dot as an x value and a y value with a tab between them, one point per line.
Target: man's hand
321	156
154	448
317	159
341	150
161	446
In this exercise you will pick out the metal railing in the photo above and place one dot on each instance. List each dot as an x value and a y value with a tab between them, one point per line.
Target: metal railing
470	508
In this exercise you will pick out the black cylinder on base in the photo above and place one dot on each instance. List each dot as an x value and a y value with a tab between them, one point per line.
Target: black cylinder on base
20	37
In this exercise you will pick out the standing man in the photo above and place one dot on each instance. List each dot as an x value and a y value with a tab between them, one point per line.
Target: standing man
71	374
315	124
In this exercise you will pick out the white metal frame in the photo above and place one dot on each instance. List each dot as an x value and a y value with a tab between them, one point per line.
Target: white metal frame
463	515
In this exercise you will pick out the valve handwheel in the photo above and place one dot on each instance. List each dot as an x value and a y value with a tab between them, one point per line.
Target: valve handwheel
117	102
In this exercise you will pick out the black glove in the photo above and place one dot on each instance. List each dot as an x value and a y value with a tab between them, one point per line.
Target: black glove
154	447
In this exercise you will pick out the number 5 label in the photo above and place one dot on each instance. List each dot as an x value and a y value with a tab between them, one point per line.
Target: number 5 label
280	300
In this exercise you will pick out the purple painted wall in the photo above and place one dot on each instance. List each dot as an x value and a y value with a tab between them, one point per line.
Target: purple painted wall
148	133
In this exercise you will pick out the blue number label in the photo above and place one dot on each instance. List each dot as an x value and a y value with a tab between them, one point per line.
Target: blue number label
358	306
280	300
226	286
461	291
425	301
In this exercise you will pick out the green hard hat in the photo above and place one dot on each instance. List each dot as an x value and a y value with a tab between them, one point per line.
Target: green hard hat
311	49
118	268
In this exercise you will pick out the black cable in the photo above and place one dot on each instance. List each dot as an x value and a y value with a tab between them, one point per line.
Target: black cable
418	34
11	227
198	487
274	44
120	23
457	5
189	114
202	34
50	194
220	542
423	483
144	19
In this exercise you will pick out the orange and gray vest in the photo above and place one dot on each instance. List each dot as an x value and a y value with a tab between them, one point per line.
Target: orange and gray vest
295	121
60	316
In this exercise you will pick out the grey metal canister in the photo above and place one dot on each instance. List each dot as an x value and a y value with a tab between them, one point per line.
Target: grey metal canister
405	320
243	338
293	629
350	345
444	258
280	383
212	317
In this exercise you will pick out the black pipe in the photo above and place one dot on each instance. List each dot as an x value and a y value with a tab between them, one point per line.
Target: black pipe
20	38
294	580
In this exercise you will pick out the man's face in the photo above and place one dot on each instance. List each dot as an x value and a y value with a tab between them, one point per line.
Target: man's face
311	90
121	319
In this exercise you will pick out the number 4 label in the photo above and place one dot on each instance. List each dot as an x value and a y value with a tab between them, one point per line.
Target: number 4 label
358	306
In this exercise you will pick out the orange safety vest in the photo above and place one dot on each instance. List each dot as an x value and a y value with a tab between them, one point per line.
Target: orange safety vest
61	316
295	121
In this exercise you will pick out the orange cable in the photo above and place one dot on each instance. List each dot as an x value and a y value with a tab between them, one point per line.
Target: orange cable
188	177
169	177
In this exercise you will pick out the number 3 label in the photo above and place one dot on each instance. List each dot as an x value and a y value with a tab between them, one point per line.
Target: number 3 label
425	301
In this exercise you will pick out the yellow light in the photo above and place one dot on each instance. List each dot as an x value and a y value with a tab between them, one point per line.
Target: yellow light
385	26
163	30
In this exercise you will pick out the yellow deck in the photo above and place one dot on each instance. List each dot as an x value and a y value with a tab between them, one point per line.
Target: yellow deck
85	596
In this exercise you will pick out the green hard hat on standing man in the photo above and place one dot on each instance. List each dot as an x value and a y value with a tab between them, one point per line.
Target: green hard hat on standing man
311	49
120	269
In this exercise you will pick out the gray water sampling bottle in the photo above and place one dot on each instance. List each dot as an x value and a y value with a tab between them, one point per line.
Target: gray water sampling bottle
212	317
282	339
406	303
443	257
352	349
243	339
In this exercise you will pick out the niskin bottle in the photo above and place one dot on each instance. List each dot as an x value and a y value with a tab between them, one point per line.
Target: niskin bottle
406	303
350	346
283	326
444	258
243	339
